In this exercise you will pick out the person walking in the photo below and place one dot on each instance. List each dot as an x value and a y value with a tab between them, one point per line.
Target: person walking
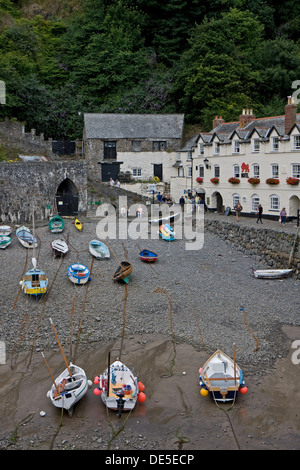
259	213
283	216
238	209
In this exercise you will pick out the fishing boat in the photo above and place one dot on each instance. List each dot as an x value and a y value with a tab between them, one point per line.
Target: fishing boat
35	281
123	271
99	250
272	273
4	241
5	230
221	377
78	273
167	233
78	225
26	237
149	256
119	388
70	386
59	248
56	224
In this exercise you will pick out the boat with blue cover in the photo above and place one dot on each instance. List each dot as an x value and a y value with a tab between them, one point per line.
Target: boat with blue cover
149	256
26	237
99	250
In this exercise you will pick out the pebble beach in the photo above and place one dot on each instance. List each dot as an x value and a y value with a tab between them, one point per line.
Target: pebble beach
166	322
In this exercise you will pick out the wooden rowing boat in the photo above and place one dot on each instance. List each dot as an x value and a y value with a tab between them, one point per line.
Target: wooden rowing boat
148	256
99	250
26	238
56	224
119	387
59	248
221	377
123	271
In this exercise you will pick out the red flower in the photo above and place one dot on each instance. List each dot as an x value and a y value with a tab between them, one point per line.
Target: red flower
234	180
199	180
254	180
214	180
293	181
272	181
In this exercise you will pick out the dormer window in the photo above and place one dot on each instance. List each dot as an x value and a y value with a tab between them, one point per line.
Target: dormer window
275	144
296	142
201	149
236	146
256	145
217	148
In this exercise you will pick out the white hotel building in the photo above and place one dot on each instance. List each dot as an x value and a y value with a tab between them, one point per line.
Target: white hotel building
252	161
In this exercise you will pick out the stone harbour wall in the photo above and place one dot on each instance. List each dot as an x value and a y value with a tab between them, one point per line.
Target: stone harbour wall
272	248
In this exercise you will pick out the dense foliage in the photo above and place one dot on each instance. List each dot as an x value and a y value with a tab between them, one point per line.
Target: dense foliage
198	57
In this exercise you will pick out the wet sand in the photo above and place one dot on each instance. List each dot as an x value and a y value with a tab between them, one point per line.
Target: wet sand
174	416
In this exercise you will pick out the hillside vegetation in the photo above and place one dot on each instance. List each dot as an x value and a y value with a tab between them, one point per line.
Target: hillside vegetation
202	58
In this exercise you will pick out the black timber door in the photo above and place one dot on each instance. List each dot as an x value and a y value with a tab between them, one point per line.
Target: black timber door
110	150
110	170
158	170
67	198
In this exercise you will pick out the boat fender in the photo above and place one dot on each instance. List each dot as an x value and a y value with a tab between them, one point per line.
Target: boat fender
97	391
141	398
243	390
203	392
141	386
96	380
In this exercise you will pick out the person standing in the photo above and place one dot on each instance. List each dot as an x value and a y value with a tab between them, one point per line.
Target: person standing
238	209
283	216
259	213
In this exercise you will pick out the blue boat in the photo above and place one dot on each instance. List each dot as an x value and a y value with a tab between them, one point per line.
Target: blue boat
78	273
148	256
167	233
35	281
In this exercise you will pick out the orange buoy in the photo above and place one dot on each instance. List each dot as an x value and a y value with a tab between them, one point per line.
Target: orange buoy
141	397
244	390
203	392
97	391
141	386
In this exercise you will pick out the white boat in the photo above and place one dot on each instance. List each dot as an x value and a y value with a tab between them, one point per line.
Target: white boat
78	273
272	273
221	377
119	388
5	230
69	388
35	281
4	241
26	237
59	247
99	250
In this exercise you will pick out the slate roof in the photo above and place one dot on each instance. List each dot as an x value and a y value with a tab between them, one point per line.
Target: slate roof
133	126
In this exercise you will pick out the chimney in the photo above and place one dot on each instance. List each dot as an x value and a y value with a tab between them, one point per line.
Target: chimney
246	117
217	121
290	114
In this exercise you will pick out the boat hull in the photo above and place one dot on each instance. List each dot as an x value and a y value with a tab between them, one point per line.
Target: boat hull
167	233
35	282
121	392
71	389
148	256
26	238
78	225
272	273
99	250
56	224
221	377
78	273
5	230
4	241
123	271
59	248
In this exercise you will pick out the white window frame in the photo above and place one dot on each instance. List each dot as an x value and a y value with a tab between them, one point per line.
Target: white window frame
236	146
201	171
274	202
275	170
201	148
275	144
189	171
256	145
296	142
136	172
216	148
216	171
255	202
236	171
235	199
296	170
255	170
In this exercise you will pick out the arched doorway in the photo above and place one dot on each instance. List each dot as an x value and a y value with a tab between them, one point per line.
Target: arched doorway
67	198
294	206
217	202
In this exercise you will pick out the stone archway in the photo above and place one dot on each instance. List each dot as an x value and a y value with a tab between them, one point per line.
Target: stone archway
67	198
217	201
294	206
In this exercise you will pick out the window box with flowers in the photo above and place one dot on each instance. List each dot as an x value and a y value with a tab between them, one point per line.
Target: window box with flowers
199	179
272	181
292	181
254	180
214	180
234	180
